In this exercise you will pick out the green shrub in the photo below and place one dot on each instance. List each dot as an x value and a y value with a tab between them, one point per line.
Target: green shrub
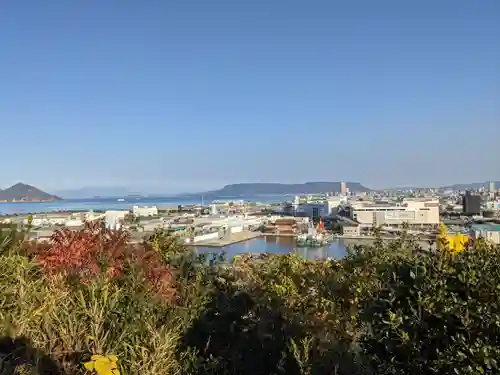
384	309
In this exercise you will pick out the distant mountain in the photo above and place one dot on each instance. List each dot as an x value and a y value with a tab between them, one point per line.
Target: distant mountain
97	192
248	189
23	192
472	186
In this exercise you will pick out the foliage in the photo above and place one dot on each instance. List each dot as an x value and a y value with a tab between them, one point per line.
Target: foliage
164	309
84	252
12	237
437	314
94	251
103	364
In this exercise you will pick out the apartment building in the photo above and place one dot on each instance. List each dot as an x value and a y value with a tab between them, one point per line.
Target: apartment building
416	212
471	204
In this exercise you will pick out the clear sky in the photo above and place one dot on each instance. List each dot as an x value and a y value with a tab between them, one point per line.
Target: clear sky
167	96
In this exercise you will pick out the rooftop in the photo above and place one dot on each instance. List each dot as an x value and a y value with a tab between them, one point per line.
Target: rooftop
491	227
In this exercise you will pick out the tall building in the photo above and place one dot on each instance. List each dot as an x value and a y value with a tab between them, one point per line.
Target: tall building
471	204
492	186
343	188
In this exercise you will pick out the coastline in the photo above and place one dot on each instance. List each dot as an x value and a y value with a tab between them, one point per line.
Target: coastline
33	201
103	204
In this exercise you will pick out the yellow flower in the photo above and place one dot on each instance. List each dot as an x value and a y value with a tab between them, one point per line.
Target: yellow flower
103	364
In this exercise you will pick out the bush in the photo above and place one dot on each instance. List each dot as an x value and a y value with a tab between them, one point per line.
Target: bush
437	314
163	309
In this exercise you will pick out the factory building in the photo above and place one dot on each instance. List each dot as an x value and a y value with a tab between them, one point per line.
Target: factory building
113	219
144	211
489	231
417	213
316	206
471	204
47	220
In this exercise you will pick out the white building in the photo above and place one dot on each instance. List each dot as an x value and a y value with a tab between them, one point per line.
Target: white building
91	216
37	221
72	223
493	205
343	188
416	212
47	220
317	205
334	203
114	218
488	231
144	211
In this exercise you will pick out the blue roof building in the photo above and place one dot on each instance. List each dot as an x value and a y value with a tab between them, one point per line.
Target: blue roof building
489	231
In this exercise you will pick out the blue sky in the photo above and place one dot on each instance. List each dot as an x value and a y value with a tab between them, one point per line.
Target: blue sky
169	96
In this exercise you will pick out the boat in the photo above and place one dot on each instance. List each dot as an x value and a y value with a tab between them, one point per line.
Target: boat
315	237
313	241
120	200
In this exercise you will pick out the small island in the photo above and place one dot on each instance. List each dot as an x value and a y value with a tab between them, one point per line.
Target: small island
26	193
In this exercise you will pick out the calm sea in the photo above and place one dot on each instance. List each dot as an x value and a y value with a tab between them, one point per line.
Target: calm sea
115	204
280	245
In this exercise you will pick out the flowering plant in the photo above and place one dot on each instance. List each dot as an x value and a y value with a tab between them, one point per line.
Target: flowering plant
103	364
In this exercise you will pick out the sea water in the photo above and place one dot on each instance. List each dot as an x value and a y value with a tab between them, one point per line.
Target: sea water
279	245
13	208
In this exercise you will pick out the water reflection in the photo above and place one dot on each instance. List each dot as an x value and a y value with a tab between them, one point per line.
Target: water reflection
280	245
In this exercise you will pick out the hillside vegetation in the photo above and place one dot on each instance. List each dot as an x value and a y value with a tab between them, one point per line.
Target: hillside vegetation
157	308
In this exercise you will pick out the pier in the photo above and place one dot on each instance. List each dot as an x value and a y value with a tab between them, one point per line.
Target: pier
229	239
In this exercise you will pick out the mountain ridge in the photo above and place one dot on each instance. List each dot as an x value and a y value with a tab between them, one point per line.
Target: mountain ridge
26	193
473	185
243	188
262	188
97	192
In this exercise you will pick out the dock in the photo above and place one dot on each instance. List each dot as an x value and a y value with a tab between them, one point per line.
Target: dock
279	234
229	239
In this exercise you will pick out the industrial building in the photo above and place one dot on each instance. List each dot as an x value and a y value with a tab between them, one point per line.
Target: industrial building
493	205
416	212
316	206
488	231
350	227
114	218
144	211
47	220
471	204
73	220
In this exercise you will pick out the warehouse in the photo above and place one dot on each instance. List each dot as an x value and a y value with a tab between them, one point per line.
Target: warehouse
417	213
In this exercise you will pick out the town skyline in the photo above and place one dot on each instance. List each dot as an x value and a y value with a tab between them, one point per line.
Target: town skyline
21	189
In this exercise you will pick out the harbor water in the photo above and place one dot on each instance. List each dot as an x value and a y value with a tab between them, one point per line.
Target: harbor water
264	244
95	204
280	245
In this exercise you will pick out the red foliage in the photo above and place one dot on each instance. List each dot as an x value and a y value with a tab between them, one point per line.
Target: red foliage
87	252
81	252
154	271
